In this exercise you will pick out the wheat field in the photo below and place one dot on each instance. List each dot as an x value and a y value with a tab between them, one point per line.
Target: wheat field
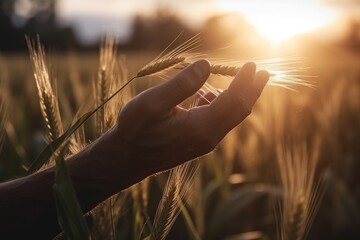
290	171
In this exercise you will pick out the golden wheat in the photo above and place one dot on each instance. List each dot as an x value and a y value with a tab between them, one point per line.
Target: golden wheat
160	65
140	195
283	76
106	75
179	57
110	77
48	99
176	190
301	194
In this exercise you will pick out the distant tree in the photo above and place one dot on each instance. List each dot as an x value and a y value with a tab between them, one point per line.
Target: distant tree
30	17
232	30
158	30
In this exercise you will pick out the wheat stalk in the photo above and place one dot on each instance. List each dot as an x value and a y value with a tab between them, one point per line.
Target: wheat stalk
280	75
120	78
296	219
106	215
48	100
106	75
140	196
111	77
160	65
301	194
176	190
179	57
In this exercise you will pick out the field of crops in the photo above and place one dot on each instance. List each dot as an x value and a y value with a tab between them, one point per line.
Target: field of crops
289	170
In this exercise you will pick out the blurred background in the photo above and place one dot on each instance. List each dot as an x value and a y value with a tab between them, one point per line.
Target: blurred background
239	184
137	24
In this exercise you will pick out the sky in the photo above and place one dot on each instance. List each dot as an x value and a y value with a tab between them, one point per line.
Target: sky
276	20
91	18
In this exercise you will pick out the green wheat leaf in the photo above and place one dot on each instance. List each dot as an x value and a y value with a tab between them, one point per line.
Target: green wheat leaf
69	213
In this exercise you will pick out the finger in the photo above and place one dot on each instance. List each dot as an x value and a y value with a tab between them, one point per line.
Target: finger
233	97
250	97
183	85
233	105
243	79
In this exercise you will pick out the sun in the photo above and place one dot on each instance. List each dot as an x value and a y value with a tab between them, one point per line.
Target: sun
280	20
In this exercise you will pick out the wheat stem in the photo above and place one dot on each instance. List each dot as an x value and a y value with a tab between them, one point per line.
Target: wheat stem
301	196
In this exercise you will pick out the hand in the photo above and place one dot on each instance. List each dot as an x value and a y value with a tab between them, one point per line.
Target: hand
154	134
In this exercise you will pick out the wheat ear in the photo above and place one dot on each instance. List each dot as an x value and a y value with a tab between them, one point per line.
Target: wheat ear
280	75
180	57
301	194
176	190
114	76
106	75
48	100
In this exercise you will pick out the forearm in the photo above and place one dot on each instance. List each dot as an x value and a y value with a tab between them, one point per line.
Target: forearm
27	204
27	207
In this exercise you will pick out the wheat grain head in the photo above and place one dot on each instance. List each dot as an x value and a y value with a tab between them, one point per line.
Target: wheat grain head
177	189
301	194
284	72
48	99
179	57
106	75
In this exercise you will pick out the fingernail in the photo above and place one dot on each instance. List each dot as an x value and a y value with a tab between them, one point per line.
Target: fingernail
201	68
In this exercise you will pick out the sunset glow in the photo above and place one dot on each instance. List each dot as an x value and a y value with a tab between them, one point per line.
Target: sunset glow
280	20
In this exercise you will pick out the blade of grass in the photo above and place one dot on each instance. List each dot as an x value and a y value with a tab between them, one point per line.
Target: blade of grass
69	213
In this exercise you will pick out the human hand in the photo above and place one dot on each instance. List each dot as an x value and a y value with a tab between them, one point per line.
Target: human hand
154	134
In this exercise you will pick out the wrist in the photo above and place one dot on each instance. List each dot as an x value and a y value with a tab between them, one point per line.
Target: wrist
104	166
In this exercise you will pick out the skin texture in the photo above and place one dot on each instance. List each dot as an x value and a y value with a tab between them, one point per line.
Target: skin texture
152	134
